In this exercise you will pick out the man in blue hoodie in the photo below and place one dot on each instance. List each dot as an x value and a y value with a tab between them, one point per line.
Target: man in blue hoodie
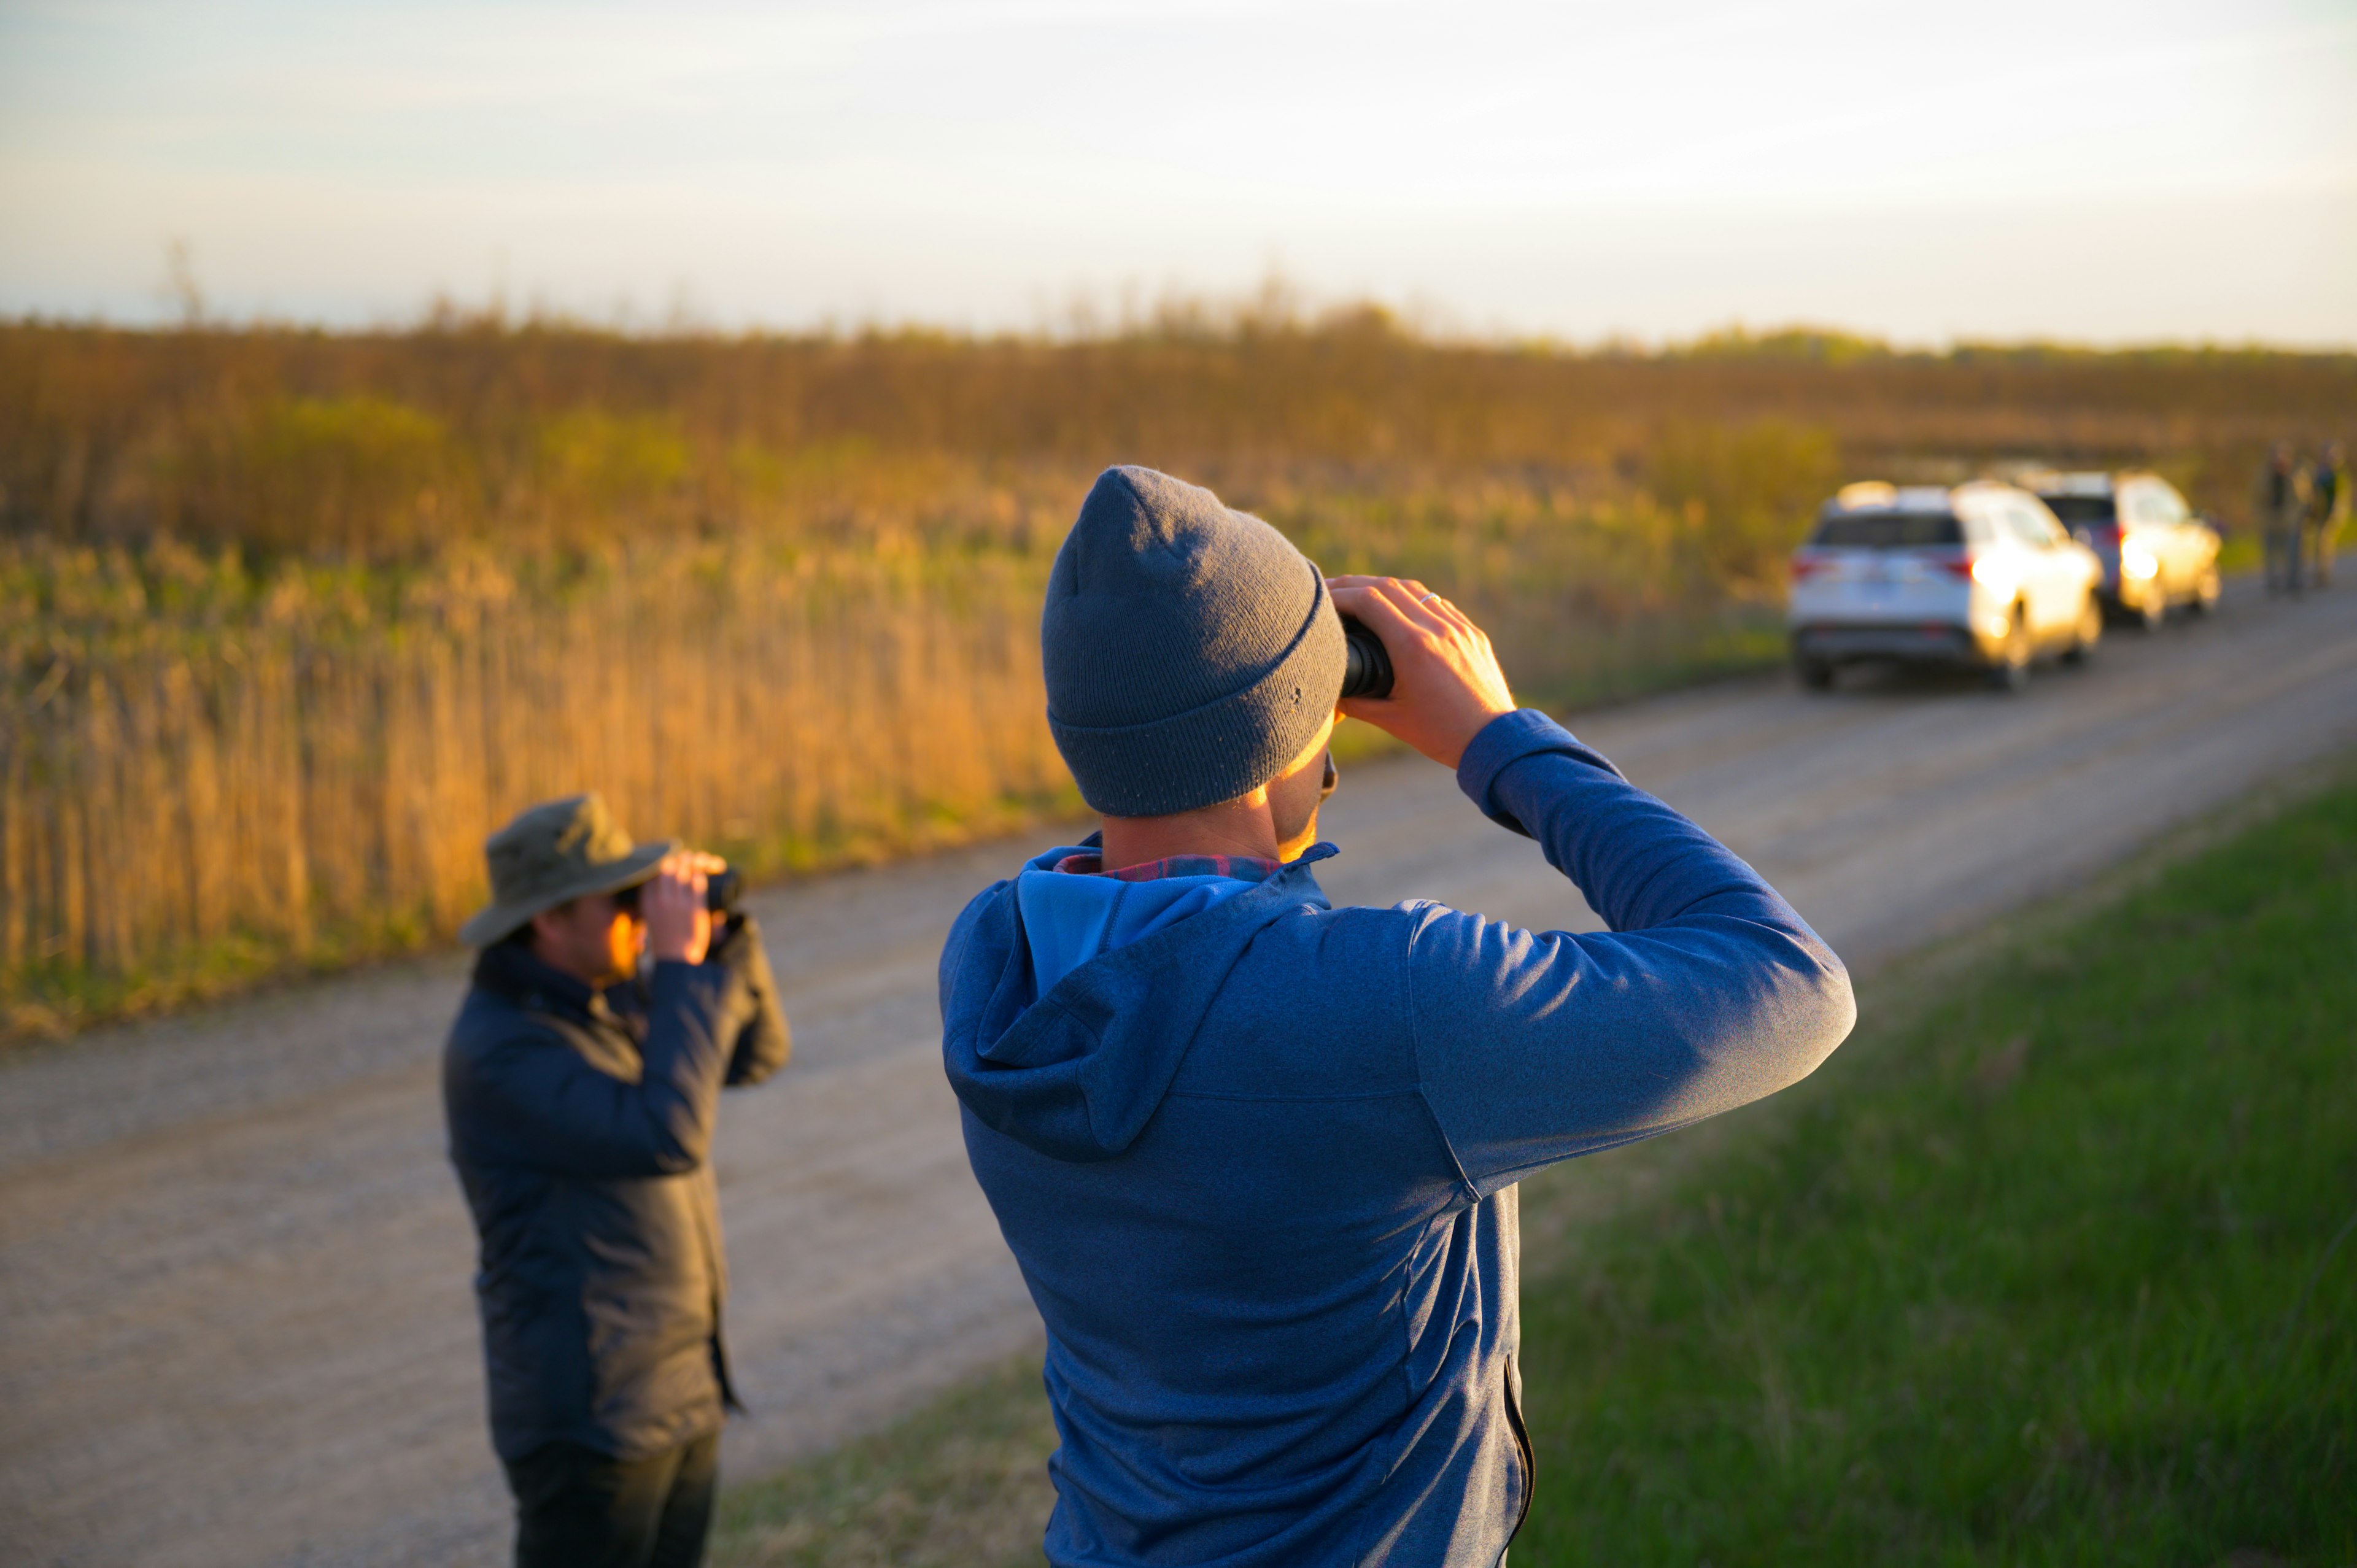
1256	1155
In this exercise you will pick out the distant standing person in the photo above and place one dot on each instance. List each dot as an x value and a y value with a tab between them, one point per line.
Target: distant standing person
580	1101
2277	509
2327	507
1257	1155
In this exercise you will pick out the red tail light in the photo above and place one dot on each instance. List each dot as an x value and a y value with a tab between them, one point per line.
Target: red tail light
1804	568
1956	565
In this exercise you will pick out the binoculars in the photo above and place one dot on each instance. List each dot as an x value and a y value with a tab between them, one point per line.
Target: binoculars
720	893
1366	664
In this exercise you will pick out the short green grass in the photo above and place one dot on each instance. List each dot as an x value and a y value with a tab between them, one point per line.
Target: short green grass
2060	1271
2053	1262
961	1484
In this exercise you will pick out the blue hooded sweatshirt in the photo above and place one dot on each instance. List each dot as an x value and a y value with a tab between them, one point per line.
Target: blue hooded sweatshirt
1256	1155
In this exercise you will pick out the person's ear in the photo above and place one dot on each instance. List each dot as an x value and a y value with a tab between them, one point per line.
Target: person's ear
550	925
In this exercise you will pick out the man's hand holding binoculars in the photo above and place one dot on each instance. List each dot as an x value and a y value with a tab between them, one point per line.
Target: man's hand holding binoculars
675	903
1446	684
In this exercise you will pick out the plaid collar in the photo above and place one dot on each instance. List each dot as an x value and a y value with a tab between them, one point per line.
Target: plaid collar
1242	867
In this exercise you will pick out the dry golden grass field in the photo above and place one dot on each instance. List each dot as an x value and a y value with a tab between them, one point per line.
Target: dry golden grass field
288	620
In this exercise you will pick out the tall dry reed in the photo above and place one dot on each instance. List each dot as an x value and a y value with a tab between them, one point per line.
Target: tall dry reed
311	775
288	621
211	770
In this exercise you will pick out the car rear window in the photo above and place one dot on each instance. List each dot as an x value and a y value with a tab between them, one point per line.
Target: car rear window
2070	510
1890	531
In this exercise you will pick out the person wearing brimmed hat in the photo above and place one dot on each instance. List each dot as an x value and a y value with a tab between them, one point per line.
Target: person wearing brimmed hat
1255	1155
580	1101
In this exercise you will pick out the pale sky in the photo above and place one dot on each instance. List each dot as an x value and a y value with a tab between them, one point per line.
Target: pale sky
2172	169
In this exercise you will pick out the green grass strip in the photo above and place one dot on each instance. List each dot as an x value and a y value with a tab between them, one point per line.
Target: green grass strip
2061	1271
961	1484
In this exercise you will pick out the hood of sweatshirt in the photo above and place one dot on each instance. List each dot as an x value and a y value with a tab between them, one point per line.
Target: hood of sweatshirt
1068	1001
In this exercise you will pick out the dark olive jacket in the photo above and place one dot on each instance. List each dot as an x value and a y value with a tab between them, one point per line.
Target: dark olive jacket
581	1126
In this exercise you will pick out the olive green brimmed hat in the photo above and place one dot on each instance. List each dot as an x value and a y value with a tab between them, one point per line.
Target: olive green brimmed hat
553	852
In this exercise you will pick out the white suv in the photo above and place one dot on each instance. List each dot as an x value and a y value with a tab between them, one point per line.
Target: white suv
1980	575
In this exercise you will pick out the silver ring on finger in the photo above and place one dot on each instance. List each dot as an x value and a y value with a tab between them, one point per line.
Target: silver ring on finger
1427	599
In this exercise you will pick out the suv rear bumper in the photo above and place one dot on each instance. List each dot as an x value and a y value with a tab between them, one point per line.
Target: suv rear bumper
2118	602
1915	642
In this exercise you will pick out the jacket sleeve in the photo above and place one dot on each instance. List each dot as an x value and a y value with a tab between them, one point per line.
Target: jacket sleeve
1708	992
763	1042
543	1105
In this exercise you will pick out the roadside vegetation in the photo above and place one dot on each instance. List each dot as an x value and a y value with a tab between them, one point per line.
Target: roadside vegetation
289	619
2063	1272
2054	1263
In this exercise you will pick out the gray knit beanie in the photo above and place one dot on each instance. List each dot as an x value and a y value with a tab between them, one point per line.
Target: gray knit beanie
1191	652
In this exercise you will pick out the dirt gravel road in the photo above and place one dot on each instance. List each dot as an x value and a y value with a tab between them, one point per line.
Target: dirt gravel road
234	1320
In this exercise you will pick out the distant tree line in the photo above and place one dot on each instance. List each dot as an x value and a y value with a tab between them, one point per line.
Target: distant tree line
369	445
